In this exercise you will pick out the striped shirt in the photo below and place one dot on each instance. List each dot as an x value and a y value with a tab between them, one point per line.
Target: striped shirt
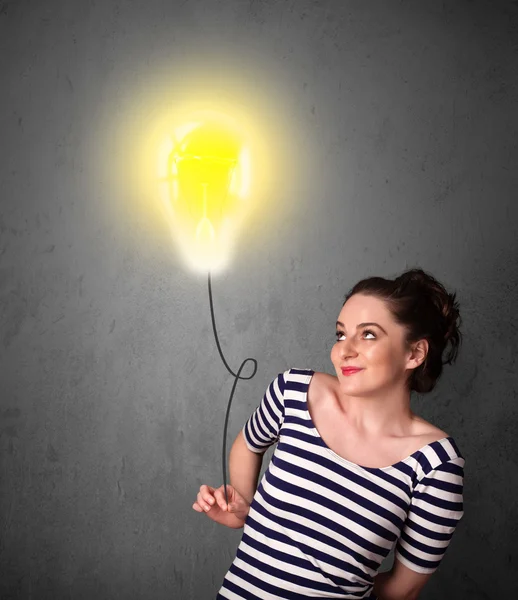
319	526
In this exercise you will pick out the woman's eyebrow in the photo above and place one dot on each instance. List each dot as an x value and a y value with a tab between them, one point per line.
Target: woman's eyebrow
362	325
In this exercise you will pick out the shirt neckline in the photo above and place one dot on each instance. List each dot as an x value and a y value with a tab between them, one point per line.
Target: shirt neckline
316	433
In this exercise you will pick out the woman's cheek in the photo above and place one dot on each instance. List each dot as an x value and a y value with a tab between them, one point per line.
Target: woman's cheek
334	353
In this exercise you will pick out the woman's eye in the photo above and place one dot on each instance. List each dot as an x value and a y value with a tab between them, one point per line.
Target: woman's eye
340	335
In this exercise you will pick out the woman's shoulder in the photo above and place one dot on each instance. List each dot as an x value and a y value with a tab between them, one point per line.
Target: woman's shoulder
443	447
319	384
426	431
322	386
324	381
316	377
428	435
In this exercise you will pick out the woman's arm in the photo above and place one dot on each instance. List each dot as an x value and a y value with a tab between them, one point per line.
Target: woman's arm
400	583
244	468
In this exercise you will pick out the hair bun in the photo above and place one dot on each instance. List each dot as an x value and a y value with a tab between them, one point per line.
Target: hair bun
451	315
417	276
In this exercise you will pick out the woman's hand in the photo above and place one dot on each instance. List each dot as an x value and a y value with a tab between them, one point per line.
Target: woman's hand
212	502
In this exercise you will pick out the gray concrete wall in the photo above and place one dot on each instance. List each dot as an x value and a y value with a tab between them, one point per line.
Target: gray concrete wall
393	126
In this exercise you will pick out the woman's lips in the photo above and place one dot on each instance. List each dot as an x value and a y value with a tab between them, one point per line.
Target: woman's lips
350	371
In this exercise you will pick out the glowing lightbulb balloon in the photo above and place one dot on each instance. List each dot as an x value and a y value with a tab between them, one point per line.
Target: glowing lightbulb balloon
204	178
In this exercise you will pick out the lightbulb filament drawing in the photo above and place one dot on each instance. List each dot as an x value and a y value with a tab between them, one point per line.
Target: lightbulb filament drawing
204	179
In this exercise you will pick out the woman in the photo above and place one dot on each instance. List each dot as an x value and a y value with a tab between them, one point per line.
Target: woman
355	471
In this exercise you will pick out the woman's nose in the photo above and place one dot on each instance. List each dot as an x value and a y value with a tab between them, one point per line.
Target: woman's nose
347	349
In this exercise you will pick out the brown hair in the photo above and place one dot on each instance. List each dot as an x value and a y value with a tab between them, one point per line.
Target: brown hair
422	305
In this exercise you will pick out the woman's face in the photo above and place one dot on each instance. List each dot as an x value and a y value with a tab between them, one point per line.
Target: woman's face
379	350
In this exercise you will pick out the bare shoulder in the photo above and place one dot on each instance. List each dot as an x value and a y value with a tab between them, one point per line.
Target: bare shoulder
324	381
427	432
322	385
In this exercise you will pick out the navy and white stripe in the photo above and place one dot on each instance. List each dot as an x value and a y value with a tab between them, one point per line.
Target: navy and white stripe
319	525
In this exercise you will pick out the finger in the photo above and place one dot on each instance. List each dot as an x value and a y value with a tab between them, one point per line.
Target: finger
202	502
204	489
218	494
197	507
232	494
209	498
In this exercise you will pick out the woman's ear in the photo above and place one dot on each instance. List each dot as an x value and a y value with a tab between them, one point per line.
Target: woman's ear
418	353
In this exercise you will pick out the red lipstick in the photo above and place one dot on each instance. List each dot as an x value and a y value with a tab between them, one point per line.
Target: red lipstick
350	370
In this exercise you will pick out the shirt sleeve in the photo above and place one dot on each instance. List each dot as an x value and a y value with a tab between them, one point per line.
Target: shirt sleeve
263	427
435	510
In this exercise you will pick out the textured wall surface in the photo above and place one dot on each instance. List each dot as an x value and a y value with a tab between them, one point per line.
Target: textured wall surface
396	128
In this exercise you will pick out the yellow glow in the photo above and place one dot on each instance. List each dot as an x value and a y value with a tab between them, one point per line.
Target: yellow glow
142	119
204	178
